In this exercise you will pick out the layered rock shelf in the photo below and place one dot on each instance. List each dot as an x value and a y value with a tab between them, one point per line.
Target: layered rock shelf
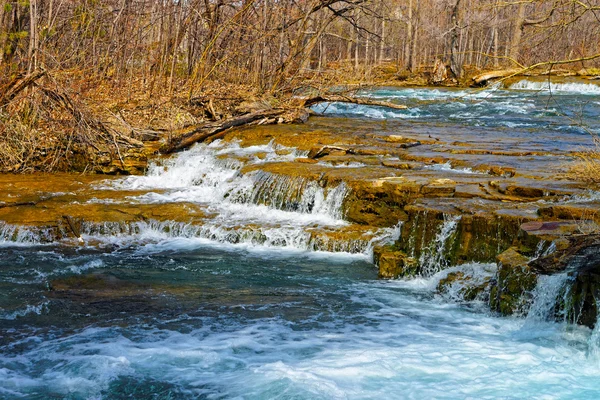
454	200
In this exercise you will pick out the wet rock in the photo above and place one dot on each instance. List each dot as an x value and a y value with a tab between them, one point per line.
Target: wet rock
351	159
393	263
524	191
464	286
469	191
398	164
579	301
580	254
511	290
501	171
439	188
396	139
581	213
535	234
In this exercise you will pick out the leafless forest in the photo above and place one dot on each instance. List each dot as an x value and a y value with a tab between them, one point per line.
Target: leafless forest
267	43
76	76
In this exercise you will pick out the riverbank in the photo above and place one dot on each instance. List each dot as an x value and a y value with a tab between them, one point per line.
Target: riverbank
415	198
444	237
67	122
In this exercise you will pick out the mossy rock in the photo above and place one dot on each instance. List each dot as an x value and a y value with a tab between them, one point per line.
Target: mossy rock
469	289
393	263
515	280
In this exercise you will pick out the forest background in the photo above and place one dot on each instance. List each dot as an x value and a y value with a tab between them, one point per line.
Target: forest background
87	84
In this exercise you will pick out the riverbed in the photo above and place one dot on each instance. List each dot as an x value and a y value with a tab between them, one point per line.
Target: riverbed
218	276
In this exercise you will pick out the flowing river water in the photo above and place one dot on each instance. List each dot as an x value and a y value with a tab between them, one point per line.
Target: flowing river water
262	301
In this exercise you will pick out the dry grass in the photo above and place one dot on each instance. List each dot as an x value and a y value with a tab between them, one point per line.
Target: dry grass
69	121
587	169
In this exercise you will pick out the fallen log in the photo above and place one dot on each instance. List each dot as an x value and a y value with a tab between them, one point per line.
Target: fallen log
317	152
213	130
482	79
307	102
198	133
14	87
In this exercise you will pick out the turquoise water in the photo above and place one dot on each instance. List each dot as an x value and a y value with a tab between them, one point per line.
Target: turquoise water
184	319
250	306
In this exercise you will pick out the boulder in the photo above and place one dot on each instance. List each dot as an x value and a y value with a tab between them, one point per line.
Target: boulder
393	263
581	253
511	289
469	289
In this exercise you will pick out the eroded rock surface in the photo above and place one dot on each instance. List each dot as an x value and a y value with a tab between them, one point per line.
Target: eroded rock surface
454	199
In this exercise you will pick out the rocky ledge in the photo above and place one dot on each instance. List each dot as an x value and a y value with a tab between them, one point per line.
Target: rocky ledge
456	201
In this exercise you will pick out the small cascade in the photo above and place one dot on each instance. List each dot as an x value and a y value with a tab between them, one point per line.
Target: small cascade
549	297
255	208
557	87
287	193
467	282
433	256
269	236
594	340
239	205
18	235
211	175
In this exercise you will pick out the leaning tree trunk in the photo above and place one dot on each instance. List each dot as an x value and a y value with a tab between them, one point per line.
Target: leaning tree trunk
455	65
515	42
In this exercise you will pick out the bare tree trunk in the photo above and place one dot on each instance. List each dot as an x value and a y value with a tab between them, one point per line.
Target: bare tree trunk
413	53
356	43
33	35
5	18
382	42
495	37
517	33
408	56
455	65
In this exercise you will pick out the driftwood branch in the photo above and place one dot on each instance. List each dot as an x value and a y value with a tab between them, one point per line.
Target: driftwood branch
307	102
482	79
183	139
17	85
209	131
509	73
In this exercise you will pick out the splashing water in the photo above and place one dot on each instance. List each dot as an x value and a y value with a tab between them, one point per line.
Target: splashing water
433	257
556	87
545	296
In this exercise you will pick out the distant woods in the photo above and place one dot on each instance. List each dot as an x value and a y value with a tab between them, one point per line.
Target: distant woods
271	44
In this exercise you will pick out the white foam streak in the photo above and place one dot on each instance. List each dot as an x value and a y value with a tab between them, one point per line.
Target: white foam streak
433	258
449	168
29	309
557	87
545	295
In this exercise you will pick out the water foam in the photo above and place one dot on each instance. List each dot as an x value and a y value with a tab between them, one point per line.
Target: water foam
14	235
557	87
37	309
449	168
433	257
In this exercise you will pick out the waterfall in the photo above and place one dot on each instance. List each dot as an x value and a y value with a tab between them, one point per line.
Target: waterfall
433	257
557	87
242	205
12	234
545	305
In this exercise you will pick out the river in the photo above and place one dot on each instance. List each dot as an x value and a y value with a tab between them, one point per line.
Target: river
263	300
